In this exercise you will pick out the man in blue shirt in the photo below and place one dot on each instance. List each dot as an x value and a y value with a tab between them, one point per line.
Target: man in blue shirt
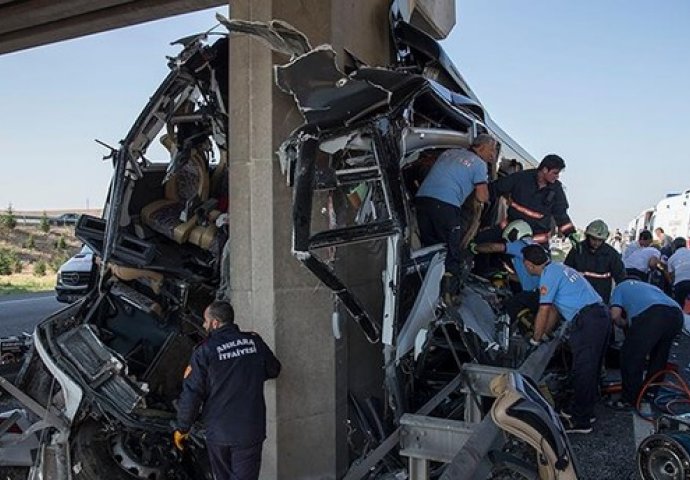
652	319
517	235
565	291
456	174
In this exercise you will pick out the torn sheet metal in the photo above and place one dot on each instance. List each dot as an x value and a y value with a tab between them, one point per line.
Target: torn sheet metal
324	95
415	139
423	310
102	370
357	140
478	317
277	35
18	441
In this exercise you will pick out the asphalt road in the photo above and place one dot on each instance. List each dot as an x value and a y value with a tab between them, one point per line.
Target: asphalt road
21	313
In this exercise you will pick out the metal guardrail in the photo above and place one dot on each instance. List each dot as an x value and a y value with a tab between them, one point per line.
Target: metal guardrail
481	435
36	220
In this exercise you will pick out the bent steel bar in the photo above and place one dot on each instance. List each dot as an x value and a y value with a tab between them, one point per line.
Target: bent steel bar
360	469
472	461
41	411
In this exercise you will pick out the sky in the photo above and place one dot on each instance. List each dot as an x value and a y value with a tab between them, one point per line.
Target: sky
58	98
603	84
606	85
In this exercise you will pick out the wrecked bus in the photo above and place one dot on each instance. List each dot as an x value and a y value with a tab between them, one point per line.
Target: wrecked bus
104	372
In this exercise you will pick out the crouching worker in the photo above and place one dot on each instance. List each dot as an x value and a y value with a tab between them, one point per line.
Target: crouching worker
456	174
225	378
653	320
523	305
565	291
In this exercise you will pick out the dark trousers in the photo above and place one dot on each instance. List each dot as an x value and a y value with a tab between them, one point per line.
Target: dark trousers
650	333
681	291
441	222
588	337
639	274
234	463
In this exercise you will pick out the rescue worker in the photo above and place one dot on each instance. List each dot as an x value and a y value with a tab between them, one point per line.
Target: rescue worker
640	257
678	268
226	378
564	291
653	320
516	236
596	260
537	197
455	175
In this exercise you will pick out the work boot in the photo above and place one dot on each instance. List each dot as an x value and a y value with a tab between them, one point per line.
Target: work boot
450	287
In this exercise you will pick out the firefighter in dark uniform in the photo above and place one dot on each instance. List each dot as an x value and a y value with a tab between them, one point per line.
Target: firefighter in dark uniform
225	378
596	260
537	197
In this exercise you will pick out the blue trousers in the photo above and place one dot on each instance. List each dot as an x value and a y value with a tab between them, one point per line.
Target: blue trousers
235	463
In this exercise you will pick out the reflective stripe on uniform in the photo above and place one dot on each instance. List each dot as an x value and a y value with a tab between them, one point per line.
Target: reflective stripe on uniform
541	237
525	211
565	227
596	275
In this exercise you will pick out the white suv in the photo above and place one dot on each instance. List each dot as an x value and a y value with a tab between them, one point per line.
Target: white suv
75	276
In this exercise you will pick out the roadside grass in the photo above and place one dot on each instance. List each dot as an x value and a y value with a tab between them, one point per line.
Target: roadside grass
29	257
25	283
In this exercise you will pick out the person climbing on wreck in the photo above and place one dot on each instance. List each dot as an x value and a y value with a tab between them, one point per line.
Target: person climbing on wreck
456	174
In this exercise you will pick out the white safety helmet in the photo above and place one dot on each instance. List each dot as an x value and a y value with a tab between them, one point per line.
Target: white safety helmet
516	230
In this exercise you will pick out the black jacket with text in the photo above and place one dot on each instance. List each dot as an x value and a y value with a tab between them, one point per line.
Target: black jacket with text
226	375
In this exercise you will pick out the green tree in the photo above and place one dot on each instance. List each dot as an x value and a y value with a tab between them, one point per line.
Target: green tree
45	223
40	268
61	243
5	262
8	219
32	242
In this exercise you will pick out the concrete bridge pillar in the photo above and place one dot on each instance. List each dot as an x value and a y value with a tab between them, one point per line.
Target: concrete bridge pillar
272	293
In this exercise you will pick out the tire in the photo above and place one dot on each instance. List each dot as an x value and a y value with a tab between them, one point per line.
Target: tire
92	457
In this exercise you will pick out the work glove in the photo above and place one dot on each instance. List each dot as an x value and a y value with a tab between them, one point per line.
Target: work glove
179	439
472	247
575	242
533	345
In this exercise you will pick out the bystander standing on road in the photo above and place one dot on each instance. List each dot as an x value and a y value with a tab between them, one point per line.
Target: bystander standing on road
616	241
665	241
226	378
